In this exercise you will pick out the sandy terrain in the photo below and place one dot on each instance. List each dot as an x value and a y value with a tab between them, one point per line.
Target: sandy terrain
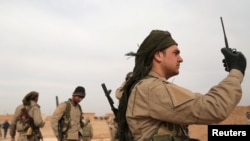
101	129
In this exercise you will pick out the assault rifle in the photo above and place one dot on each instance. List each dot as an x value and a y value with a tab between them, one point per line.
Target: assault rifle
60	133
111	102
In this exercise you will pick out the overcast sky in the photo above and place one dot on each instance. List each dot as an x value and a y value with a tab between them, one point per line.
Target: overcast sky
53	46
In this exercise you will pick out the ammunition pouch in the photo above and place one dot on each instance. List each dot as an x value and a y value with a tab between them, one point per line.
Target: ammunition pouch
170	132
29	131
36	136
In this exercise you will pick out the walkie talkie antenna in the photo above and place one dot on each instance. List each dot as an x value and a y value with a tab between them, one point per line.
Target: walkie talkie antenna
225	37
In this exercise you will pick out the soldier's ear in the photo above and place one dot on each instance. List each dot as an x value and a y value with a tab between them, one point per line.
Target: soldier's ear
158	56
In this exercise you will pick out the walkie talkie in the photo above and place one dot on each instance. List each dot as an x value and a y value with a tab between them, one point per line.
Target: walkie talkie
225	37
226	42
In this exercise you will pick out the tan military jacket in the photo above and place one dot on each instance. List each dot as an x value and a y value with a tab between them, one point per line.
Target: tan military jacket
113	127
118	91
34	112
14	121
154	100
75	114
88	126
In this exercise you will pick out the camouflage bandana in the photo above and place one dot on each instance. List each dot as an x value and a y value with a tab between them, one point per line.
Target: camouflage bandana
157	40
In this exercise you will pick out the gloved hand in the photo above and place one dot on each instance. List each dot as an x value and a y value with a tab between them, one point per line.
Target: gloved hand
234	60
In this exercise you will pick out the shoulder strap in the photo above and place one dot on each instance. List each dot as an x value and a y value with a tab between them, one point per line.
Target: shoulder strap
24	111
79	106
81	117
66	114
67	110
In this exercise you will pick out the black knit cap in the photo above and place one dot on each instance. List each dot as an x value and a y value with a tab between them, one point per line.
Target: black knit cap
80	91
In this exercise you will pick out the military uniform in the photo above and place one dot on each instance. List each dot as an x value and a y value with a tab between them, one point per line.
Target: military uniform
118	92
158	110
154	100
87	130
113	130
74	130
17	125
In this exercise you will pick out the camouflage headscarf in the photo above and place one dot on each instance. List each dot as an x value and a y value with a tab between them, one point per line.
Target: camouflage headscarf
157	40
30	96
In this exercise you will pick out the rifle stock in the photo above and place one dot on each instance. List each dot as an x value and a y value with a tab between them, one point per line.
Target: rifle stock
60	134
110	100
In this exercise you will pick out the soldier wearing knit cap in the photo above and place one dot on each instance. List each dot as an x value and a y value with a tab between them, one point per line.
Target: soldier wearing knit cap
30	119
151	108
70	112
80	91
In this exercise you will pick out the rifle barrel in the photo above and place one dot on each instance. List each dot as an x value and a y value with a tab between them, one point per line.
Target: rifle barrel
57	101
60	134
110	100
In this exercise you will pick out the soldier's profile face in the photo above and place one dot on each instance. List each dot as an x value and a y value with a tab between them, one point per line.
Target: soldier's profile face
171	60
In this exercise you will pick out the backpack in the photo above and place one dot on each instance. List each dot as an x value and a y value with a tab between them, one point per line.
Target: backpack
25	122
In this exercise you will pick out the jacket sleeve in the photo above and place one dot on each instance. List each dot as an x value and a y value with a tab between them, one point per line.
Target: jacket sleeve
37	116
118	91
57	115
185	107
13	122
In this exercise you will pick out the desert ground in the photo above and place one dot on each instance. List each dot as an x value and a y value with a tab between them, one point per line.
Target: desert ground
101	129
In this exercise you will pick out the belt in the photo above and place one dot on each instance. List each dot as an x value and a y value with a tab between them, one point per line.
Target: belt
171	129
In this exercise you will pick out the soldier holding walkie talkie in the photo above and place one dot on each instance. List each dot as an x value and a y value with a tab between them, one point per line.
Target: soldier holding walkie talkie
152	108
